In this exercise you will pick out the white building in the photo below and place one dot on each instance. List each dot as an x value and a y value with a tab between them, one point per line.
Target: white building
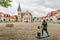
1	17
27	17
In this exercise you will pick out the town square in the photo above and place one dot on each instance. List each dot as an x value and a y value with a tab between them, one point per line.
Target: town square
17	23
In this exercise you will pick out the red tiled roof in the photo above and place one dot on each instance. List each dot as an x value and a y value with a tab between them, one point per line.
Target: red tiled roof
58	10
5	15
23	13
52	13
49	14
43	17
12	17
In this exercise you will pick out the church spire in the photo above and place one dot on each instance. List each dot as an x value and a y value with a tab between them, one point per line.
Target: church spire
19	8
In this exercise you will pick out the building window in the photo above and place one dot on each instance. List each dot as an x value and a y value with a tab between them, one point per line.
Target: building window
7	15
58	18
4	20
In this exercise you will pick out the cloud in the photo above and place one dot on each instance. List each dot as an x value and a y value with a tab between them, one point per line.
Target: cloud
36	7
11	10
54	4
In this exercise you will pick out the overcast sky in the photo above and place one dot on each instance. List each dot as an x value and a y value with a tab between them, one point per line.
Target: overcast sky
36	7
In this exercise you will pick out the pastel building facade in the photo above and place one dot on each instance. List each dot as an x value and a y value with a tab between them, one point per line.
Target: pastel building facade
4	17
24	16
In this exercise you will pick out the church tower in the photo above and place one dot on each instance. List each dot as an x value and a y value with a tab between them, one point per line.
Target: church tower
19	13
19	8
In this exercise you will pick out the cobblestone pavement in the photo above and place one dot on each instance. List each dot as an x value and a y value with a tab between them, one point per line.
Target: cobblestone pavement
27	31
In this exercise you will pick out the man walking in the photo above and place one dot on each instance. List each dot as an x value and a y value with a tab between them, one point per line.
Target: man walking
44	27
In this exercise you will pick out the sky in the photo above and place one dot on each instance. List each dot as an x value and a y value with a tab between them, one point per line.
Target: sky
38	8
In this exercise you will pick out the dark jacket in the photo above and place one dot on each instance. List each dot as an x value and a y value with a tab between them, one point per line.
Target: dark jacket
44	25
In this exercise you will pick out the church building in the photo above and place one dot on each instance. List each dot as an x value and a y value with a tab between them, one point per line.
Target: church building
24	16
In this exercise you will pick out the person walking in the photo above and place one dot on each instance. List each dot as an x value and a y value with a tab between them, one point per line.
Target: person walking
44	27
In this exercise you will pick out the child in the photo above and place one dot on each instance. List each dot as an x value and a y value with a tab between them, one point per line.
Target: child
38	33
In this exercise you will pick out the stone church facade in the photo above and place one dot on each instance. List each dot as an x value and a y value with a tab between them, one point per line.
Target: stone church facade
24	16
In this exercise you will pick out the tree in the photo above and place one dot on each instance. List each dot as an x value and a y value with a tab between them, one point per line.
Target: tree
5	3
16	17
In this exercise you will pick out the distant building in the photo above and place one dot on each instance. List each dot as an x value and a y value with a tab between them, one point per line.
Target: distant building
27	17
58	15
53	16
12	18
42	18
6	17
36	19
19	13
24	16
1	17
48	17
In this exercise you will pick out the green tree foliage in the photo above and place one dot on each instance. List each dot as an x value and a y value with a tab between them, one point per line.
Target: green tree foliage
5	3
16	17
